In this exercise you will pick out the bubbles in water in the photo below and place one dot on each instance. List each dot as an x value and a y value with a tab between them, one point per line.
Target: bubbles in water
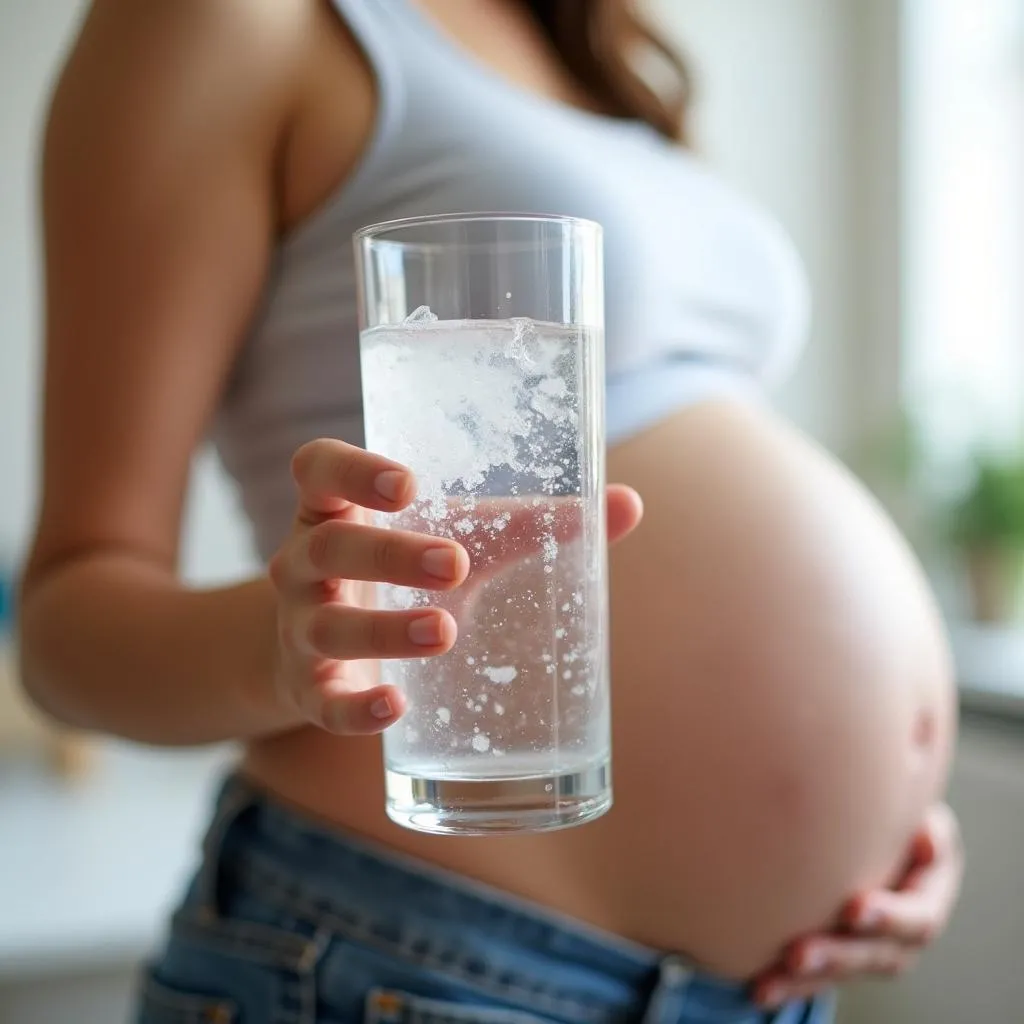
501	430
520	348
554	387
500	674
420	315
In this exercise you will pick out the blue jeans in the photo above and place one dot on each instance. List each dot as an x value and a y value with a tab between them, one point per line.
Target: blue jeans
289	922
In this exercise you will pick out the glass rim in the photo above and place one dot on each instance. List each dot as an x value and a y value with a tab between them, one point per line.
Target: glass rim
385	227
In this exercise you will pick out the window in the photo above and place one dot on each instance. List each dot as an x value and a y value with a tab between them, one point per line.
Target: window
962	154
963	158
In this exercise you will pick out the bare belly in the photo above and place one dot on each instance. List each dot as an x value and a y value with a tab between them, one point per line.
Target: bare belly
783	708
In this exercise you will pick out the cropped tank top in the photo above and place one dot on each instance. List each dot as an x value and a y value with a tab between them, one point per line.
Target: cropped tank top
704	293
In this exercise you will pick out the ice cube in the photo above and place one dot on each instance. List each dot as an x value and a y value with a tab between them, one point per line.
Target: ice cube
421	315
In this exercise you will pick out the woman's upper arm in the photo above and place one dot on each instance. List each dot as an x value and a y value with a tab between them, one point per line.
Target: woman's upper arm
158	210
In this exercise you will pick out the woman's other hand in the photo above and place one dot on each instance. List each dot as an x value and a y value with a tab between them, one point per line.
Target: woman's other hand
883	931
330	635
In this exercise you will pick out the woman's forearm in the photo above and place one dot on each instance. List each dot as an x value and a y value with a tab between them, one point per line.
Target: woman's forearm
117	645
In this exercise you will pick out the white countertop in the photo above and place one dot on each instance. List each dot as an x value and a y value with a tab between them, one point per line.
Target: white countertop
990	666
89	869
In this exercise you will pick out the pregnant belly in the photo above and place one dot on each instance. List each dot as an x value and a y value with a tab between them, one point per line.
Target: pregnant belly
783	698
783	708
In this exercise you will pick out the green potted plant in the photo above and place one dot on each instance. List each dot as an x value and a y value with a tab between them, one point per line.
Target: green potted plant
986	527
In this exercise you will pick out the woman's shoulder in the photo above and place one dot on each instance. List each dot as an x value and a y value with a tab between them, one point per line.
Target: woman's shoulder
151	86
226	62
237	31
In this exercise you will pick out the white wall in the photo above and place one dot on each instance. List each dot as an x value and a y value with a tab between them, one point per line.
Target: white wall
31	35
776	113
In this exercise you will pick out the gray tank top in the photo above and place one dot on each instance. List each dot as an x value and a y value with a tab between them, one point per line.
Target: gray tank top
704	294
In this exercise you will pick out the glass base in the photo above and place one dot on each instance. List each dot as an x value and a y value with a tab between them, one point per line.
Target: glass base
473	807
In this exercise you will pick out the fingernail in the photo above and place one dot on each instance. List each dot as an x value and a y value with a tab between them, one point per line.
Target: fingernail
442	563
425	631
381	708
390	484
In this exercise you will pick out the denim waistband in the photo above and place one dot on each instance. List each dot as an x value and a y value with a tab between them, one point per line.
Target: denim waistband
347	884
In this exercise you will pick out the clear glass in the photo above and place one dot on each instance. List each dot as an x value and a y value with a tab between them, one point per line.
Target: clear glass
482	353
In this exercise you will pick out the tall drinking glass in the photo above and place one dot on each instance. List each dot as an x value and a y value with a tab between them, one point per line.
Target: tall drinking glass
482	353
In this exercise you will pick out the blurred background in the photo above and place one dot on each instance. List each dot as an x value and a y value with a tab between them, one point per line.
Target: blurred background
888	136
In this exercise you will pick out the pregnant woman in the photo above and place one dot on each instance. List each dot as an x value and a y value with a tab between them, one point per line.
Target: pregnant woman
783	709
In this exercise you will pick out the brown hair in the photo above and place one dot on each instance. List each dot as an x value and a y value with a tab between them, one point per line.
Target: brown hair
602	43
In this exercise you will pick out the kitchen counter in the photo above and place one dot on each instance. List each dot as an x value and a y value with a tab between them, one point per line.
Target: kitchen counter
990	663
89	868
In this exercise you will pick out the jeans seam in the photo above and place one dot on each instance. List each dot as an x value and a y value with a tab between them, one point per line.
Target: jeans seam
245	939
294	958
425	1010
319	913
297	1004
193	1009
